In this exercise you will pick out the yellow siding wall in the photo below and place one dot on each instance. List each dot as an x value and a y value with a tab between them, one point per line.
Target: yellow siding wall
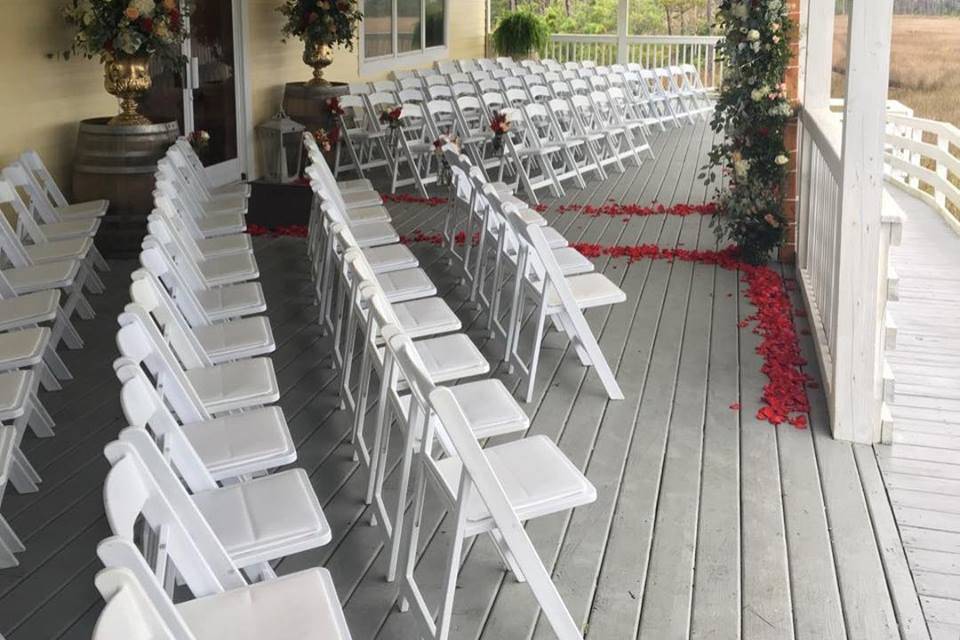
42	99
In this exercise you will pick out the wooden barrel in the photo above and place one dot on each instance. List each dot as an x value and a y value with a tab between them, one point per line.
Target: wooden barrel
118	163
307	104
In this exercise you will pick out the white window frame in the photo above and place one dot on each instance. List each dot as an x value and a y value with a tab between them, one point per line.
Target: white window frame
410	59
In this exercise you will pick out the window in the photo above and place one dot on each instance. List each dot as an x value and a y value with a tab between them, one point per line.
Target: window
402	33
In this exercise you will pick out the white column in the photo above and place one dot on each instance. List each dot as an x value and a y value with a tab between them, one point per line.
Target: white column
858	378
623	25
816	44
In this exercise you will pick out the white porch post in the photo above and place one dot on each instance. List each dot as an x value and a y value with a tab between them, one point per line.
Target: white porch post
623	27
858	374
817	47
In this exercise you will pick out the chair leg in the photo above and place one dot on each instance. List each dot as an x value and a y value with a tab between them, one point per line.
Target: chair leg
39	420
47	379
9	538
535	356
64	329
23	476
98	260
56	363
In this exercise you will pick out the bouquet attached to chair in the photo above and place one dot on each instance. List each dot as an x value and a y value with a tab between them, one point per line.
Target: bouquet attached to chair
499	125
445	175
391	118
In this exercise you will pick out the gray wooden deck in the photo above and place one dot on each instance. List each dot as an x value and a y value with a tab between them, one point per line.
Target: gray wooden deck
708	523
921	468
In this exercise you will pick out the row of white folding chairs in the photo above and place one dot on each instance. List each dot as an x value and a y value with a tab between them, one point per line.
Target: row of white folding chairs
518	262
49	261
198	389
409	334
552	139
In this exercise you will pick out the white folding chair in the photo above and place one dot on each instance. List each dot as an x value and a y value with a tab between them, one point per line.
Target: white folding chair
229	447
489	406
221	388
10	544
214	343
20	409
359	138
492	491
201	306
203	197
560	298
208	224
215	271
300	606
64	210
202	178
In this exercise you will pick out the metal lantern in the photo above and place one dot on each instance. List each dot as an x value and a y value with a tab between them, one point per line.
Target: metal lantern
281	141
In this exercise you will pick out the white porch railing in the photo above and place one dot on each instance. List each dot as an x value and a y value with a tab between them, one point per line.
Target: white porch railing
650	51
920	158
818	251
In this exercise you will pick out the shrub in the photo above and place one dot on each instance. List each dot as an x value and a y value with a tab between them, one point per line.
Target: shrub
519	33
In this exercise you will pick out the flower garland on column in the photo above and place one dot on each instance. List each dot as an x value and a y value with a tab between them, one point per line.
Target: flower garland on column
752	113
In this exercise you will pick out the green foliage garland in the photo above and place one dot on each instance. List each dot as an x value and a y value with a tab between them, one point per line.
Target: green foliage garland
519	33
752	113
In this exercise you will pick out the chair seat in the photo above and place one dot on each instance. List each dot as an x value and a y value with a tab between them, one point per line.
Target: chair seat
451	357
235	385
232	301
572	262
359	184
589	290
52	275
224	245
488	405
299	606
374	234
22	349
237	339
220	224
81	228
408	284
426	317
266	518
364	215
55	251
233	188
243	443
537	478
15	389
390	257
226	202
32	308
529	216
554	238
360	199
229	269
88	209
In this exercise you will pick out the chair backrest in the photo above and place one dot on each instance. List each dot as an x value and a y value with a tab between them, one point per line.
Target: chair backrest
460	76
467	65
10	202
156	261
140	340
463	89
141	484
403	74
17	174
440	91
384	86
144	408
487	64
478	476
411	96
149	293
359	88
129	613
38	170
447	66
411	82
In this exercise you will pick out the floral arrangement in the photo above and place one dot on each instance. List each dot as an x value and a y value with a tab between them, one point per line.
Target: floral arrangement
752	111
500	125
391	117
199	139
111	29
327	140
329	22
334	107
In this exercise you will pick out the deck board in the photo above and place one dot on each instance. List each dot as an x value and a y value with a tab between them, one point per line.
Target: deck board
708	523
921	468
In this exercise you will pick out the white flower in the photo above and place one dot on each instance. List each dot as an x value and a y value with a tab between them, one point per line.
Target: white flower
145	7
758	94
129	41
781	160
741	167
755	46
753	35
739	10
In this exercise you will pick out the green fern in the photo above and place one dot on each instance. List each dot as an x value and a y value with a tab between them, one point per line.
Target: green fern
519	33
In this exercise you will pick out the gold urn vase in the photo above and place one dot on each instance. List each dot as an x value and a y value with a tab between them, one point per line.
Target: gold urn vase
319	56
128	79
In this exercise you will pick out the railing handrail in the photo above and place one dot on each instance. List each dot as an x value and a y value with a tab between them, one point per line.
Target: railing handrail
933	126
635	39
826	129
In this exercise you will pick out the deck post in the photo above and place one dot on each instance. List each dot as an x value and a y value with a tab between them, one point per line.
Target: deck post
623	28
857	397
816	42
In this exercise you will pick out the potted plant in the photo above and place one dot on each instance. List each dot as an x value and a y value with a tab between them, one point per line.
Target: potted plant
125	36
521	34
321	24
